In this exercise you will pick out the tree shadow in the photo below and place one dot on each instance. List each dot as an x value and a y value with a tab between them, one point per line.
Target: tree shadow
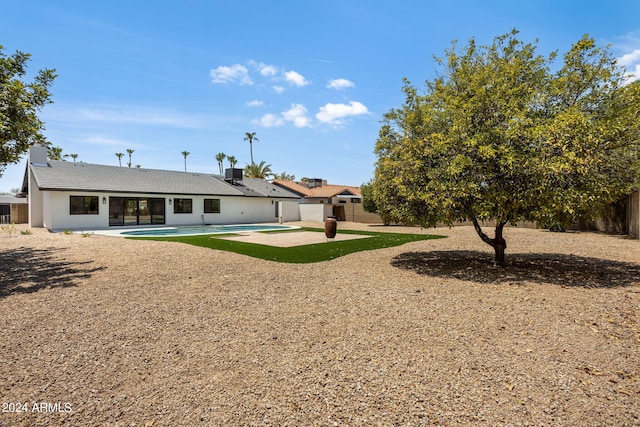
27	270
557	269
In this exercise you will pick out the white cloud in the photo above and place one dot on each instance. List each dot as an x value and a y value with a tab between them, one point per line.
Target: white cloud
235	73
334	114
295	79
254	103
268	70
628	46
630	58
633	74
297	114
269	121
264	69
241	75
340	84
631	61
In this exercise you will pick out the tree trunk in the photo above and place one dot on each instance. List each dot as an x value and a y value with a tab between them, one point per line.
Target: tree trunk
498	243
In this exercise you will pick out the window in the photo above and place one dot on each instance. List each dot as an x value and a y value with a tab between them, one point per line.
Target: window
211	205
182	206
84	205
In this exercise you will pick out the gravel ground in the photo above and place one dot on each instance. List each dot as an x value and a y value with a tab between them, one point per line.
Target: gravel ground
103	331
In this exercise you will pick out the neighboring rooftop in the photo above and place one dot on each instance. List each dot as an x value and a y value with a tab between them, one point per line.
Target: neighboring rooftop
11	200
319	189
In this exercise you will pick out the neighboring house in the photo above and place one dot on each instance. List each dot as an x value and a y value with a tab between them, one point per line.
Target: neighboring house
13	210
81	196
322	200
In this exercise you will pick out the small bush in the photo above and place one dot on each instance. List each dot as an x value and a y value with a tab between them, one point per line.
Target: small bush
10	229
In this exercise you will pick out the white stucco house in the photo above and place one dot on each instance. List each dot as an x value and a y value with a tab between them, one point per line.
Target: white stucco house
82	196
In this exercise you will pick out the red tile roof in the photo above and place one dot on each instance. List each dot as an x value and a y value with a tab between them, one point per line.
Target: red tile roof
326	190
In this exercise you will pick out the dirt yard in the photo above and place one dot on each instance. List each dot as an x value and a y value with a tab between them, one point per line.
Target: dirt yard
103	331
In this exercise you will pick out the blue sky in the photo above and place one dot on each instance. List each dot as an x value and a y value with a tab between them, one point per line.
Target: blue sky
311	78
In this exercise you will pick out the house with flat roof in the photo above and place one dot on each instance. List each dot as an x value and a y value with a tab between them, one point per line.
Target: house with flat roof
82	196
13	210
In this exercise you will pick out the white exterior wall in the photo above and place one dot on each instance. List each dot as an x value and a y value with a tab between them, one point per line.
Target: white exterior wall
35	202
55	210
317	212
290	211
233	210
48	215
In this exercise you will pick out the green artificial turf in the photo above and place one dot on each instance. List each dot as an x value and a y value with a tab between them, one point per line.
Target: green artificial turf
301	254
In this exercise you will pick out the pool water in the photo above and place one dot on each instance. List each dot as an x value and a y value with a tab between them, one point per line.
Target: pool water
203	229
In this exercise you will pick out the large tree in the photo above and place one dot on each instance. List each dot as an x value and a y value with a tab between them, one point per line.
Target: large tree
20	103
505	134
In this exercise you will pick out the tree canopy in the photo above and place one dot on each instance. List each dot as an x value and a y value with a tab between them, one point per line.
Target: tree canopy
20	104
505	134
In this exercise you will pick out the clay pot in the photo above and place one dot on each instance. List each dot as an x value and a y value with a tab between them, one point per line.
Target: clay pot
330	227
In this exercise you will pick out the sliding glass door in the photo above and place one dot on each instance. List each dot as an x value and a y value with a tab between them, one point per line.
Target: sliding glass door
130	211
156	207
116	211
136	210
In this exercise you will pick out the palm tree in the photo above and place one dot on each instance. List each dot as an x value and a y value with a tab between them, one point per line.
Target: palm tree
185	154
251	136
55	153
220	158
120	156
232	160
73	156
261	170
130	152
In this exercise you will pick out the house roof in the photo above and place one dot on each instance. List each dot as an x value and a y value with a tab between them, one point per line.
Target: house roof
11	200
71	176
293	186
326	190
264	188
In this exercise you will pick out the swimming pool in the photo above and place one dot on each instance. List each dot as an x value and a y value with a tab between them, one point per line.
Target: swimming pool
193	230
